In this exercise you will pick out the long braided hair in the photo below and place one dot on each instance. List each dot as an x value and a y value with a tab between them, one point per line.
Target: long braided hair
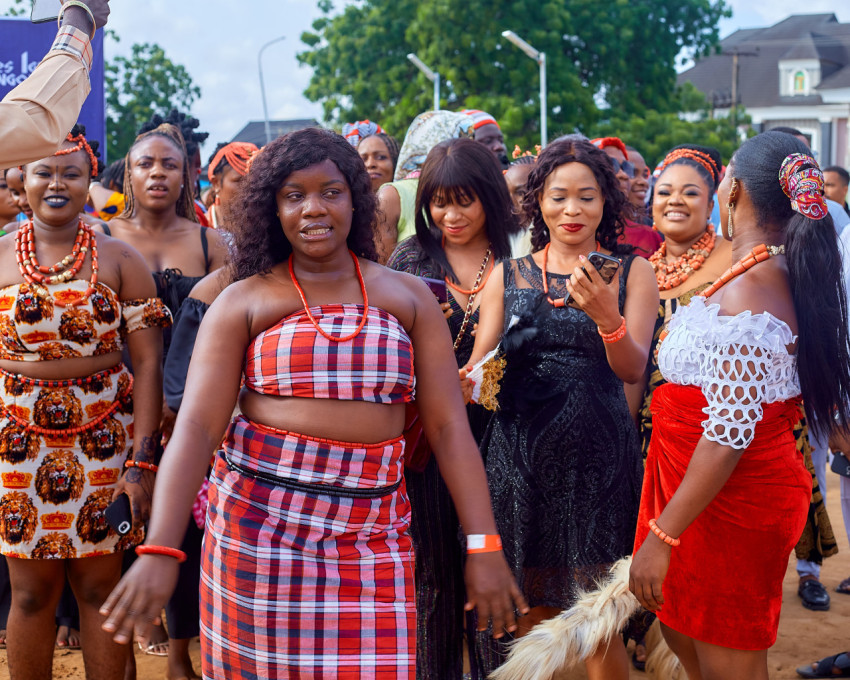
185	203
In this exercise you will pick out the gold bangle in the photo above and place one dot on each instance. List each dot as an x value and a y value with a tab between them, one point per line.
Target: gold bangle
84	7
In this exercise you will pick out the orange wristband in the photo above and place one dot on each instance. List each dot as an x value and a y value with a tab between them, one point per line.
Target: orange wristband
165	551
616	335
669	540
482	543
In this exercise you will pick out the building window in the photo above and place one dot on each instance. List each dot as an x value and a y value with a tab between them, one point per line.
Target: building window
799	82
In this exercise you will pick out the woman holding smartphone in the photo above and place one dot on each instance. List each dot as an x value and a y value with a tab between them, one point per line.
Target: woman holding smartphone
463	220
562	453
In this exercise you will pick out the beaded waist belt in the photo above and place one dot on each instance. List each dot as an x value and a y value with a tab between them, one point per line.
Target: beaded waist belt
120	398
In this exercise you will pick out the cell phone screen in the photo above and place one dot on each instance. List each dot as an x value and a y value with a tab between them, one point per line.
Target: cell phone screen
45	10
439	289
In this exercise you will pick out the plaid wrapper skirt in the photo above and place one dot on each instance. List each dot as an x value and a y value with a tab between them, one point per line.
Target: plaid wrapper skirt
307	569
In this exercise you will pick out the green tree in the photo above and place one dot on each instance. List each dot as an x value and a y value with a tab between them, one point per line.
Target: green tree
654	133
618	53
137	87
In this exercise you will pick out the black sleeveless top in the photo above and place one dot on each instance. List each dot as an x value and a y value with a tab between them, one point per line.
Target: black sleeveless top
172	287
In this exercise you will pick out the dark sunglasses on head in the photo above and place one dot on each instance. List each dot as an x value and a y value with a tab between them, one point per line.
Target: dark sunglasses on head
625	166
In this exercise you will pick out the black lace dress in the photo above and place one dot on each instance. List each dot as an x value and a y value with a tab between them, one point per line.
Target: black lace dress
434	527
562	453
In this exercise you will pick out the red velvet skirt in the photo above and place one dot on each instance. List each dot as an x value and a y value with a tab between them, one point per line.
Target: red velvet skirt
724	585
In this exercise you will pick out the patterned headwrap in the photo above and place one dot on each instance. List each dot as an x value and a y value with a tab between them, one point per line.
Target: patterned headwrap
360	129
802	182
480	118
694	155
425	132
602	142
238	156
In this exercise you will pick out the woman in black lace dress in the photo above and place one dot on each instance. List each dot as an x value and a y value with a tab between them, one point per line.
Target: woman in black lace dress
562	451
463	218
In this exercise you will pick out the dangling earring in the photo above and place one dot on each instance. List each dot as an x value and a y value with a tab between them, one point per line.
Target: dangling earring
730	226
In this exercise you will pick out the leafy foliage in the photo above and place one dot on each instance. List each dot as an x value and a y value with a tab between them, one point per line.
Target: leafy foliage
654	133
139	86
616	53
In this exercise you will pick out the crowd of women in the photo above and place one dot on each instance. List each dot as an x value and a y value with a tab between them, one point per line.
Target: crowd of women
413	399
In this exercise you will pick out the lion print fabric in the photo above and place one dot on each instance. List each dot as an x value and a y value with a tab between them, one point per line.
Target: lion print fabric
55	487
33	328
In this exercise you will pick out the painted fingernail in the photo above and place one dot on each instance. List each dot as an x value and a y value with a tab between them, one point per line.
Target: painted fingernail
581	258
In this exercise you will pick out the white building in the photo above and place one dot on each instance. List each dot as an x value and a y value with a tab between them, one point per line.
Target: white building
795	73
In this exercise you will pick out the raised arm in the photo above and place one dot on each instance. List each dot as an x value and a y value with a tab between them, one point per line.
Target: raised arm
490	585
627	356
36	116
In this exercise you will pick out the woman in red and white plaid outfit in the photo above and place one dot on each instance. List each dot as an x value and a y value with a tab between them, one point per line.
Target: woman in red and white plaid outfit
308	565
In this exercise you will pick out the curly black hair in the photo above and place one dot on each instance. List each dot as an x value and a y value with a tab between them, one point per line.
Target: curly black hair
80	129
577	151
187	126
259	241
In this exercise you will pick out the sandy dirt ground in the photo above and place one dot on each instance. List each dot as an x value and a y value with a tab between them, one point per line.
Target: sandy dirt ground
804	635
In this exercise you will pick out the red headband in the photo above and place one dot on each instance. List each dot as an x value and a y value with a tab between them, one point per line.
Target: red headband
695	155
602	142
803	185
82	145
238	156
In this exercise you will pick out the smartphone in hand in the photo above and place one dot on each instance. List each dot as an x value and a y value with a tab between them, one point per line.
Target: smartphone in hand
439	289
606	265
45	10
119	515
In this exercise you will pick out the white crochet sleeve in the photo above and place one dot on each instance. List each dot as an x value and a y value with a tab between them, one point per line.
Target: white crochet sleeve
735	385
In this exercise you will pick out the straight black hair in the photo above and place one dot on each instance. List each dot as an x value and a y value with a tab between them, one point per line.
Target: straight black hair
459	170
816	275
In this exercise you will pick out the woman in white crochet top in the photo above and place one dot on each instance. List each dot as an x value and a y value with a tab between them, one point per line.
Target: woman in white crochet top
723	474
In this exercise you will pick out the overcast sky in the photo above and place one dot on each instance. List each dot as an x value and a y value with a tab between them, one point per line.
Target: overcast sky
218	41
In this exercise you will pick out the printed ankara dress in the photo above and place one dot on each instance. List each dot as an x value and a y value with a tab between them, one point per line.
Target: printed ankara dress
63	443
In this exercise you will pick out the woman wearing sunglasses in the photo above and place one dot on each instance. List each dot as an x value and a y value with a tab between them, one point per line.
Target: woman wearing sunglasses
642	238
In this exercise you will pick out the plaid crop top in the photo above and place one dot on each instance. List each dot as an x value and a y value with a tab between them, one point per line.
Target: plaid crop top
32	328
291	359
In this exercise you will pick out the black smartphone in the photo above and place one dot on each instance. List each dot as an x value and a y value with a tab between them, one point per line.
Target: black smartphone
437	287
119	516
606	265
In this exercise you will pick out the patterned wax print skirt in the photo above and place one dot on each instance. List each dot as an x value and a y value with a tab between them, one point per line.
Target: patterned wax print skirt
307	569
63	444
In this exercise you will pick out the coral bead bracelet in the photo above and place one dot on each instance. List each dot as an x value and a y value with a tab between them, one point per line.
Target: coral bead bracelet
669	540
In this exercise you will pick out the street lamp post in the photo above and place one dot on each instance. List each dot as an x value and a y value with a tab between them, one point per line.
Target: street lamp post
433	76
263	86
540	58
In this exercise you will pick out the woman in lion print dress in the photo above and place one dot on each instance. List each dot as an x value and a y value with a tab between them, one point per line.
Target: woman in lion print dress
70	416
